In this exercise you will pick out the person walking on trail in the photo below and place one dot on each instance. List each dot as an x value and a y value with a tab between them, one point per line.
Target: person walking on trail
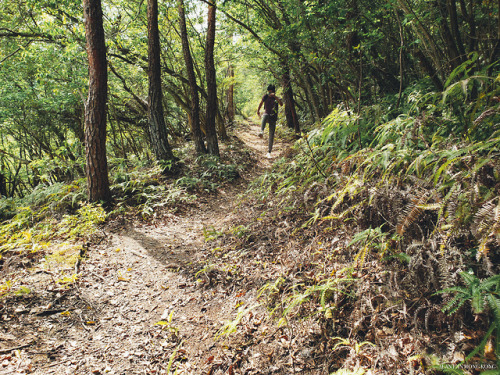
270	102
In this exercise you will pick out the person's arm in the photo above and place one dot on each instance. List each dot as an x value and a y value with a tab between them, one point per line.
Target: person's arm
260	106
280	102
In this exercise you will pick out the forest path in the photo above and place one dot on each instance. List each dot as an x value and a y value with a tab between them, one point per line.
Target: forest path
144	275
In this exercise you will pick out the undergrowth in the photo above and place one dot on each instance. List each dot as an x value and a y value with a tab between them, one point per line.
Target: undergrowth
401	205
57	213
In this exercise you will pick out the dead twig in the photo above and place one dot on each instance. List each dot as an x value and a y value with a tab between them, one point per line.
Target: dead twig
8	350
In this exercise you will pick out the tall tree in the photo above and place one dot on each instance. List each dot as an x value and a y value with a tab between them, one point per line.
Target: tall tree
95	108
195	100
3	185
212	143
157	127
292	120
230	95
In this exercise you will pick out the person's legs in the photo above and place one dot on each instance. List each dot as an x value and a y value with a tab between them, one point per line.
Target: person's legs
272	128
265	118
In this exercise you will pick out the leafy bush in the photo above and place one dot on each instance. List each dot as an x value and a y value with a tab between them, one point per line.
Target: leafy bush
7	208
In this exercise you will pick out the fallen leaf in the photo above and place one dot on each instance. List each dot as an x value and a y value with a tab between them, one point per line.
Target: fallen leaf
210	359
489	350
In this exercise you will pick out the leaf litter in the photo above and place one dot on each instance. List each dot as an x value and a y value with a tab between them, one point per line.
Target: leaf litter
222	286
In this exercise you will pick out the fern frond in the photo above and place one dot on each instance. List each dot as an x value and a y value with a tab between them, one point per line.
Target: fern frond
487	216
459	289
413	212
430	206
494	304
456	303
359	259
477	301
491	286
470	279
483	249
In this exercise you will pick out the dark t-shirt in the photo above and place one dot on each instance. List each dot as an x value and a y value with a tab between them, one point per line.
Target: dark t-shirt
269	105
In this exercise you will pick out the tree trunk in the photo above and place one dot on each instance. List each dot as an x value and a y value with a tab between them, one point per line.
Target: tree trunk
157	127
303	85
221	125
423	32
455	30
495	53
3	185
449	41
292	120
230	96
95	108
212	143
429	69
195	99
469	17
312	96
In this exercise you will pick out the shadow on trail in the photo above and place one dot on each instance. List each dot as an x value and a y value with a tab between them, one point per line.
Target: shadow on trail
174	255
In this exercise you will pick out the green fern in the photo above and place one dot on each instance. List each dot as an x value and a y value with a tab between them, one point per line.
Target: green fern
480	293
476	291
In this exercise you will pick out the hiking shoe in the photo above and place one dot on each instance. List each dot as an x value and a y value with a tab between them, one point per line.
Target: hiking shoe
261	134
268	155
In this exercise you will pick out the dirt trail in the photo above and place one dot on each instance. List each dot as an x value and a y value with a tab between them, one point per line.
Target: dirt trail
142	275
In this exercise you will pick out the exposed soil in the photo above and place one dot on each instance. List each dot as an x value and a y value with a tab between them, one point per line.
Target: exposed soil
139	275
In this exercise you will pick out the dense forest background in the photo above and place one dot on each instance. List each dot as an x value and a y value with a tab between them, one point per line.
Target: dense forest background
324	55
391	109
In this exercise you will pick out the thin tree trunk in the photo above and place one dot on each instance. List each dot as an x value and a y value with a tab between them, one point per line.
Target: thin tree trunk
455	31
195	99
421	30
312	95
307	100
290	111
157	127
212	143
469	17
495	53
95	108
450	45
230	96
402	44
429	69
221	125
3	185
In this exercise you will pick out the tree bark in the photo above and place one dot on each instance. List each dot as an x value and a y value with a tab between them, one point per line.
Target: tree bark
195	99
496	48
455	30
292	120
449	41
211	134
95	108
312	95
230	96
221	125
157	127
422	31
3	185
469	17
429	69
